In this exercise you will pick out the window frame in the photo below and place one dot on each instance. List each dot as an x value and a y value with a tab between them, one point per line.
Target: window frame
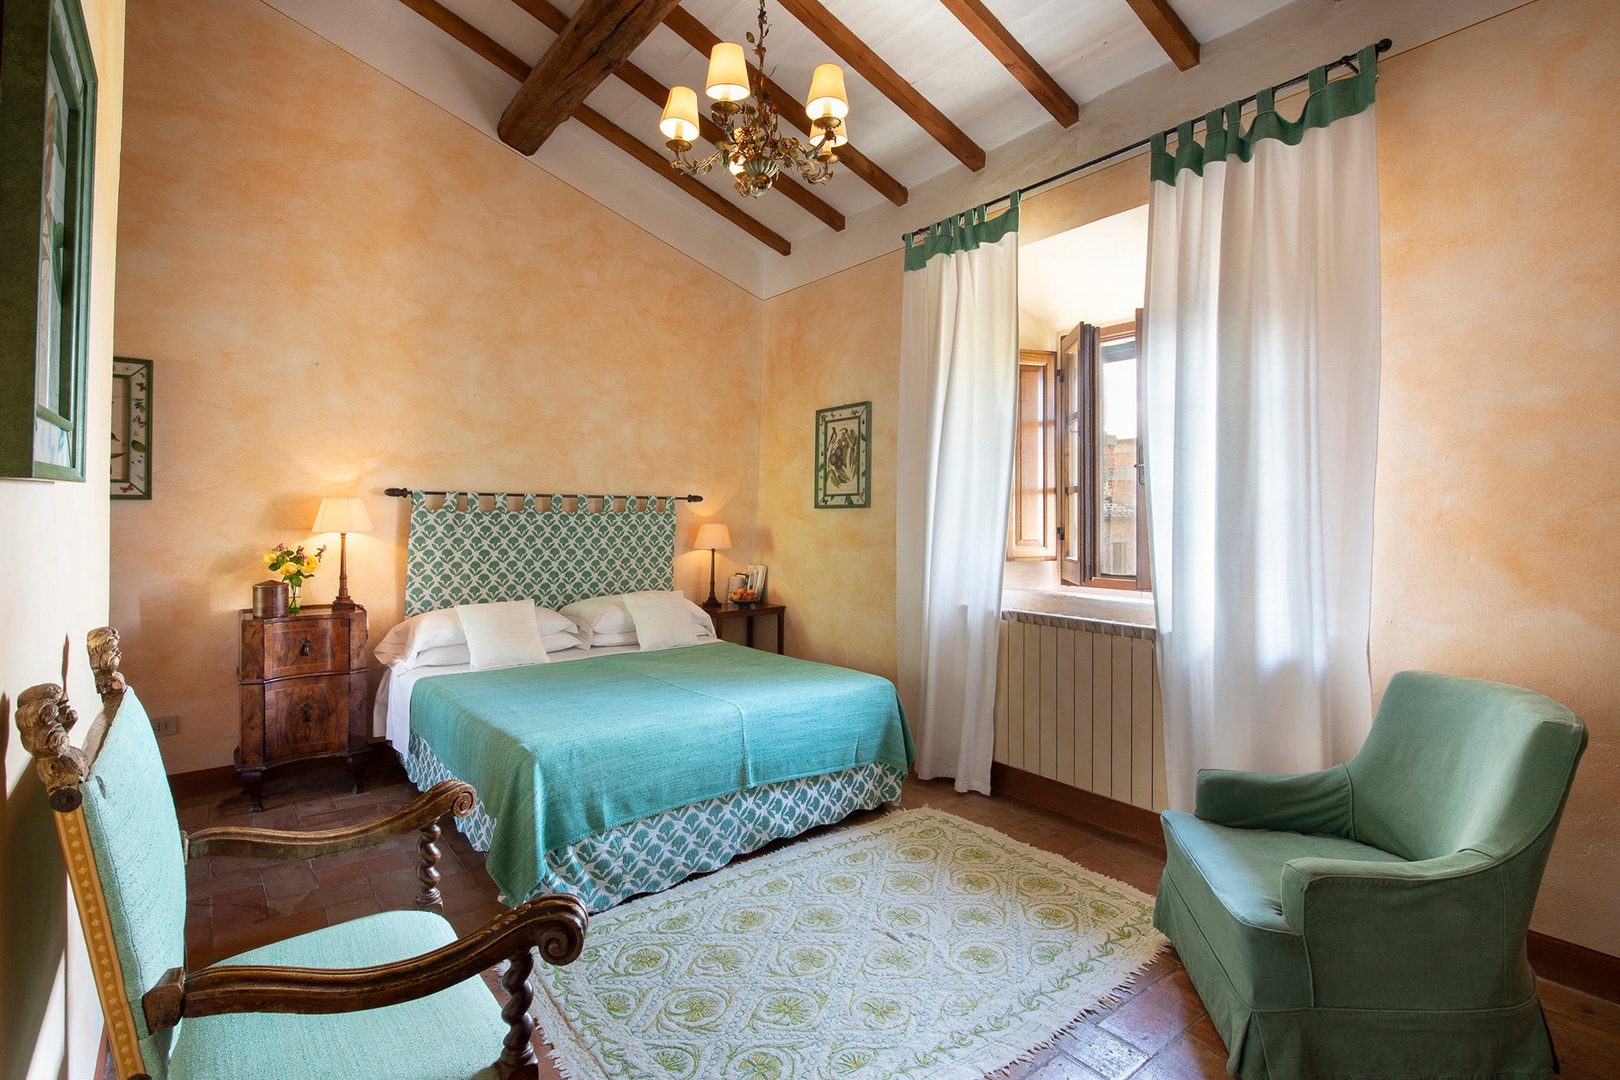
63	56
1023	545
1080	482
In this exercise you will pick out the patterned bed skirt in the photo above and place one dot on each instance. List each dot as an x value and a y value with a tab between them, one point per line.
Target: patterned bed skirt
655	852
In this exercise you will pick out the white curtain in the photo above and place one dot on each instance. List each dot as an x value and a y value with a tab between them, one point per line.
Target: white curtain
1260	409
958	380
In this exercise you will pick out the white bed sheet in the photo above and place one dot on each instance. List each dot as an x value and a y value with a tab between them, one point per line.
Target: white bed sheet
393	706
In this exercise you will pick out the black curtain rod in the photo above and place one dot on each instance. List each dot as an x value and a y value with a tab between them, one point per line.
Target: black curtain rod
405	493
1348	60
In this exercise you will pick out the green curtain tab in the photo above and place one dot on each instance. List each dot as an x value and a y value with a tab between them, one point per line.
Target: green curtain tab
964	232
1224	136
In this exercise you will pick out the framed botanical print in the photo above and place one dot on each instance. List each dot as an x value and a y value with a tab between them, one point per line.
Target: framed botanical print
844	457
131	473
47	173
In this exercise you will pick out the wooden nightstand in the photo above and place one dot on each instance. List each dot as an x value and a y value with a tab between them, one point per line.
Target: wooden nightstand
727	612
303	687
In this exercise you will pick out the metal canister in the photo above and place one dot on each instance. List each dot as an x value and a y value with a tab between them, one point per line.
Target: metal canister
270	599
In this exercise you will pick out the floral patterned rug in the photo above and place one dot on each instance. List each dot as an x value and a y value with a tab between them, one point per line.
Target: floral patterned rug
916	945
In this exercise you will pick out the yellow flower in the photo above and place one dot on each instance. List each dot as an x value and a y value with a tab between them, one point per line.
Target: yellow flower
289	570
310	564
269	557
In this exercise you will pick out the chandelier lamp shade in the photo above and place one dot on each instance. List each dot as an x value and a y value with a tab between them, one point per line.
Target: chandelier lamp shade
751	147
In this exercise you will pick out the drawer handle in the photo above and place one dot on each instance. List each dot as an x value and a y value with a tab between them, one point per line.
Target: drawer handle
304	647
309	713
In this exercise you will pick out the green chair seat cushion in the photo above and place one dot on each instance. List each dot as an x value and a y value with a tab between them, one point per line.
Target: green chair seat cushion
450	1035
1231	882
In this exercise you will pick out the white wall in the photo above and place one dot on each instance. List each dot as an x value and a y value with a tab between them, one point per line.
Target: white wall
53	547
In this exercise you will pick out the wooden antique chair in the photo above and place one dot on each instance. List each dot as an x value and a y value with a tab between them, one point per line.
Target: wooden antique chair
392	995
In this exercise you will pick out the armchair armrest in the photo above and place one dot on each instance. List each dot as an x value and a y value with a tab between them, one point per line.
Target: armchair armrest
421	814
553	924
1316	802
1434	933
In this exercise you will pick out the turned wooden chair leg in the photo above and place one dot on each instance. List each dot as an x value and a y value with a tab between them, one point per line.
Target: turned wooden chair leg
517	1060
428	898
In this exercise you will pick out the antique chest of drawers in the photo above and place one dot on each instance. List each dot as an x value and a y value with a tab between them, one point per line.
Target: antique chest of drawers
302	681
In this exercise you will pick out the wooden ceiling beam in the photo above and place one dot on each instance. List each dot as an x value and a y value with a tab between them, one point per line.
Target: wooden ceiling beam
841	40
509	62
600	36
656	92
983	24
704	40
1168	30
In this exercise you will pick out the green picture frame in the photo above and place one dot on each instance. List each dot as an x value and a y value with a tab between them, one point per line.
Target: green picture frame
47	180
844	457
129	474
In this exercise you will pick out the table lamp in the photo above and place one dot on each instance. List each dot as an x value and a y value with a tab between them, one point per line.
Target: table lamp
712	537
342	516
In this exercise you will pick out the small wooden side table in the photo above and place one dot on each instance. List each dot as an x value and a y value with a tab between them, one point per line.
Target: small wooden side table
728	612
302	682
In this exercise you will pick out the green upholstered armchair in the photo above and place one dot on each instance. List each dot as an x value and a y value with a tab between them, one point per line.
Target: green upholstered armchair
390	995
1369	920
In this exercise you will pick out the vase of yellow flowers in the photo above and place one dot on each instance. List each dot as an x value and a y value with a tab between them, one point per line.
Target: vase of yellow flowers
294	566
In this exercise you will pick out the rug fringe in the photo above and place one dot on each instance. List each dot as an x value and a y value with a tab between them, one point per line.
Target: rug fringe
1114	998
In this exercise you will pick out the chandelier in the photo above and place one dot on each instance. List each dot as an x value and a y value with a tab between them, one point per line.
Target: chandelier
752	149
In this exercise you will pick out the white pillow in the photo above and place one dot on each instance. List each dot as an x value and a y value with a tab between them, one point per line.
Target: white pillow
437	629
604	617
662	621
501	635
454	655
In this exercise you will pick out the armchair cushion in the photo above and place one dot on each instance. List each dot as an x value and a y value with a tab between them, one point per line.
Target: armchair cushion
452	1035
1316	802
1231	884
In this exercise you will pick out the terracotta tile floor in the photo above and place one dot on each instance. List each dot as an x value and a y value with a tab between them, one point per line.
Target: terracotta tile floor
1158	1031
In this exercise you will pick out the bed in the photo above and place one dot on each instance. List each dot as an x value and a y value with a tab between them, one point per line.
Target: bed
608	772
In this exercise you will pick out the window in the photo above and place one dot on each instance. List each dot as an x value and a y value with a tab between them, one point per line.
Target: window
47	135
1032	528
1102	536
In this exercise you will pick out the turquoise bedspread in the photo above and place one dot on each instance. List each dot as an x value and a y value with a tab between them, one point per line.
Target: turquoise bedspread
559	752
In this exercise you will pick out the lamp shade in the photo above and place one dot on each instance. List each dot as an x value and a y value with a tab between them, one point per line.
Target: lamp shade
827	96
713	537
342	516
728	73
680	115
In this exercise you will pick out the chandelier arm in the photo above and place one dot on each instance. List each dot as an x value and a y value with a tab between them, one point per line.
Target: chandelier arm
752	145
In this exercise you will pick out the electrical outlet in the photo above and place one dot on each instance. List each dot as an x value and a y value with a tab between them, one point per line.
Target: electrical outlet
165	725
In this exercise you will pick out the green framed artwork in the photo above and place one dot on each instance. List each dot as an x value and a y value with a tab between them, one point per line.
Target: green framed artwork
844	457
130	476
47	173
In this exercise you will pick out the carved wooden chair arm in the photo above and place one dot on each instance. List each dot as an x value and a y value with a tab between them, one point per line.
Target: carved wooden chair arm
553	924
445	797
421	814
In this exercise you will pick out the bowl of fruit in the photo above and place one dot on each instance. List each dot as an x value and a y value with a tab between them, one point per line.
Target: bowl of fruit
744	597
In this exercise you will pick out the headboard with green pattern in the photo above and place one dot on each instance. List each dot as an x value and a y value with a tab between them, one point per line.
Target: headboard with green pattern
462	553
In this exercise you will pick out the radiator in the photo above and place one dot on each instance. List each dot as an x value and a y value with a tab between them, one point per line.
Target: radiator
1077	701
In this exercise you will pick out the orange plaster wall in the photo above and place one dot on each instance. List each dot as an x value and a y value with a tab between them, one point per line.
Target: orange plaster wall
1497	545
833	342
344	288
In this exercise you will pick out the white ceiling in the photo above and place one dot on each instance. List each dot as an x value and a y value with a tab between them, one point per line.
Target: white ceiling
1097	49
1096	273
1088	46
